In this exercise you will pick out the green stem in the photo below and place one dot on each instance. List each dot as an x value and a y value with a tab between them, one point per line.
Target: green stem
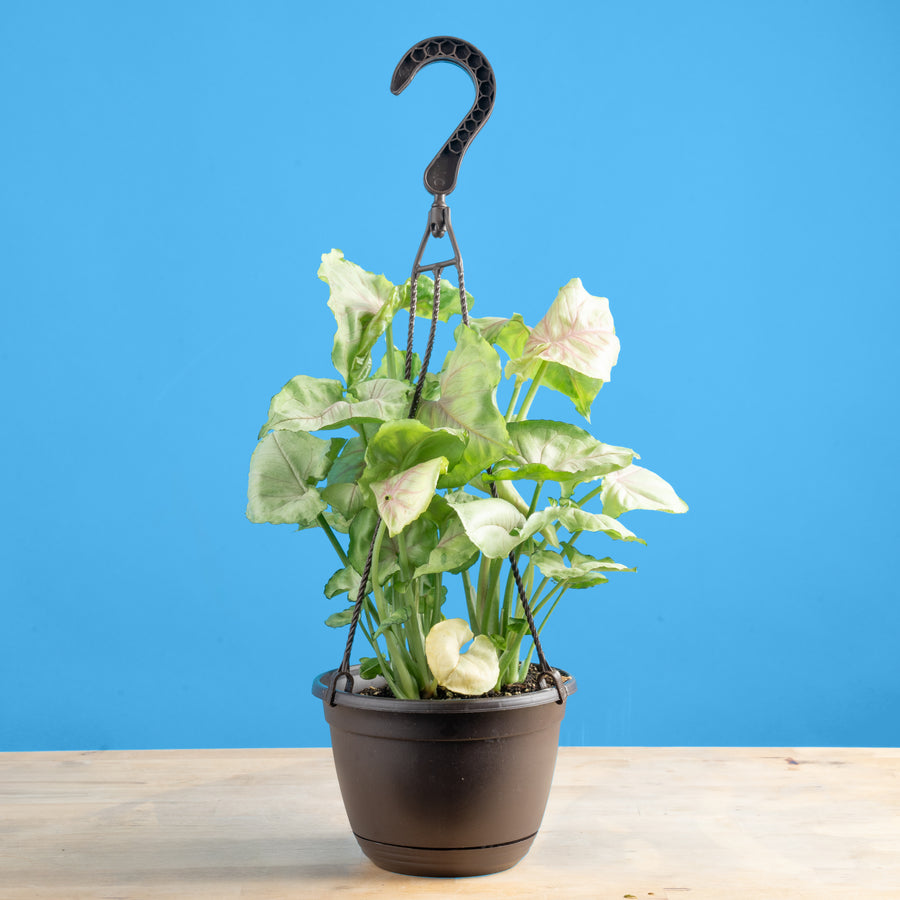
534	499
373	641
404	558
474	622
494	587
333	538
539	606
380	602
482	599
507	602
389	340
590	496
529	397
400	663
512	403
550	611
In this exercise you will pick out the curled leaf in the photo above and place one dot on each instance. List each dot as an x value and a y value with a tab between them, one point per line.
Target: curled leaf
489	523
363	304
471	673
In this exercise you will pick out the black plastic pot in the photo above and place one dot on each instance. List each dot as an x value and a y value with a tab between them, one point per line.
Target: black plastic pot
444	787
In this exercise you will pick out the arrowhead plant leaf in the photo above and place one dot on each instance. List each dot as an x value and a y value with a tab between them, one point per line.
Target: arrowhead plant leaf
637	488
454	551
491	524
471	673
397	446
574	519
556	451
508	334
315	404
584	571
284	470
577	332
450	304
467	402
389	489
403	497
363	305
577	340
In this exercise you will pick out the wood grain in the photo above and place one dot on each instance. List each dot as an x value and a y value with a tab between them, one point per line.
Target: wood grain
654	823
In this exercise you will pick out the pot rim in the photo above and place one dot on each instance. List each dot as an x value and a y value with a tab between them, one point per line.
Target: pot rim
356	700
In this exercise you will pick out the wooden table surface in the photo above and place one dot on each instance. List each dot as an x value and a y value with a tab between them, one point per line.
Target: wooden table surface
660	823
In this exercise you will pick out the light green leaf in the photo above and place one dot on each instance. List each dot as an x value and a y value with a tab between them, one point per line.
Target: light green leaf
350	464
508	334
489	523
403	497
363	305
574	520
557	451
313	404
335	519
396	617
346	500
284	470
344	581
580	389
471	673
450	305
399	356
637	488
584	571
362	530
340	619
454	551
468	384
398	446
343	492
421	538
369	667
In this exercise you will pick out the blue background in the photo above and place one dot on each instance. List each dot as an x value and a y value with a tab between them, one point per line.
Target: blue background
727	174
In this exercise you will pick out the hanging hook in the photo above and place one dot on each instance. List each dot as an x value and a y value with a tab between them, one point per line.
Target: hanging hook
440	176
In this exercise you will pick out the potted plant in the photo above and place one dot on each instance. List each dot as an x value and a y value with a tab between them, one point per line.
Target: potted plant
465	520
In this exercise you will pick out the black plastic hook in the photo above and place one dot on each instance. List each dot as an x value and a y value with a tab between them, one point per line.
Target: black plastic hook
440	176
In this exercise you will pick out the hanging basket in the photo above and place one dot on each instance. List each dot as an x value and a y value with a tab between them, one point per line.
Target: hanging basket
444	787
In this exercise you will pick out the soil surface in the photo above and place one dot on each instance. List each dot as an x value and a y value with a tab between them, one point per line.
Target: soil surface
524	687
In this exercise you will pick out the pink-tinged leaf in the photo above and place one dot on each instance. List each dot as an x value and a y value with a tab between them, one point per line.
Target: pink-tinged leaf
577	332
403	497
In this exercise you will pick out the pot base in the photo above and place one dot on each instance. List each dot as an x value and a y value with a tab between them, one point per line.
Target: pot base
449	863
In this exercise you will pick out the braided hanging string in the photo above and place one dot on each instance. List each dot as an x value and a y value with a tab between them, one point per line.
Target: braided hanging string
547	673
344	670
435	312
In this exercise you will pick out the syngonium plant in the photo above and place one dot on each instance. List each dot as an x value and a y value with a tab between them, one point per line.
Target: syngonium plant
420	488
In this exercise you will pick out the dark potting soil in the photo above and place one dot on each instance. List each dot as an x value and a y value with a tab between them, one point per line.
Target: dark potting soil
522	687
